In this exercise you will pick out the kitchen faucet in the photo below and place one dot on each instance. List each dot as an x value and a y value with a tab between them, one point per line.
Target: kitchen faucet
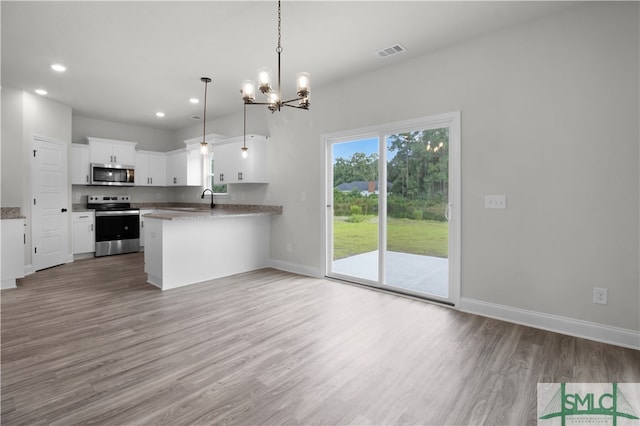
204	192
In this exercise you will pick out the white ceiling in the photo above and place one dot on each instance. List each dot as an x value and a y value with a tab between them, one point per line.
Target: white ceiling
127	60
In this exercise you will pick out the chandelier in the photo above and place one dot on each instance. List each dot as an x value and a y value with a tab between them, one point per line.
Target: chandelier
274	100
204	146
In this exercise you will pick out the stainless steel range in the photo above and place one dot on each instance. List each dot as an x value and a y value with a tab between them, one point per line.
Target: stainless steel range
117	224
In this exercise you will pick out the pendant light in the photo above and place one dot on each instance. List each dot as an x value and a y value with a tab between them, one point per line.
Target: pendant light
204	146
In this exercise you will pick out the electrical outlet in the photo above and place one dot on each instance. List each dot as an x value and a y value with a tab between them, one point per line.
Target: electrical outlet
495	201
600	295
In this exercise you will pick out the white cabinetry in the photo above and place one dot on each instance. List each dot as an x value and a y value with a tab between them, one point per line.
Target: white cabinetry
79	164
150	168
230	167
105	151
184	167
12	251
142	213
84	240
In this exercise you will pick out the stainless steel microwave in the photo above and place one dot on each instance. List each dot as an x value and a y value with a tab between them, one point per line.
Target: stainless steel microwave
112	174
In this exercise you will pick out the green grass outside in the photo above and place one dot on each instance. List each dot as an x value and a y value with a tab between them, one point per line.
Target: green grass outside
423	237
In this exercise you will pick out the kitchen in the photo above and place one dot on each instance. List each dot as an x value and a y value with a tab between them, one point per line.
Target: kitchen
113	224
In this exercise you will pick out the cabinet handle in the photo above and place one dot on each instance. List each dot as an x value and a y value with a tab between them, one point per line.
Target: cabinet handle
151	180
221	177
175	180
91	228
87	176
82	217
239	175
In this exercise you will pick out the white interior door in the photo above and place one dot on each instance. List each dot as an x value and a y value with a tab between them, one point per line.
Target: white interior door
49	216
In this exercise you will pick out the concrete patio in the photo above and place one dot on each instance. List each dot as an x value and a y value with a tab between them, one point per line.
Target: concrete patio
423	274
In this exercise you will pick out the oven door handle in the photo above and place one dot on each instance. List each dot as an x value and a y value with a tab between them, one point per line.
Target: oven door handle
117	212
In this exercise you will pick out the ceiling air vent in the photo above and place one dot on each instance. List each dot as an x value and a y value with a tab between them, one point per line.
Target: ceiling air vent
390	51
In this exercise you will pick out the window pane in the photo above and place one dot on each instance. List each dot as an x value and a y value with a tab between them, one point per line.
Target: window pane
218	189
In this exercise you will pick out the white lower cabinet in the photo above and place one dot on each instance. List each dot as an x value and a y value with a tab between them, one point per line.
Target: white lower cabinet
12	251
142	213
84	238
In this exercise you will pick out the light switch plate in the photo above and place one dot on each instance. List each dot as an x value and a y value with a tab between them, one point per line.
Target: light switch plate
495	201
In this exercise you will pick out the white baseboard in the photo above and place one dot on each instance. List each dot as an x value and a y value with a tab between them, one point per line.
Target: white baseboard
8	283
295	268
572	327
28	269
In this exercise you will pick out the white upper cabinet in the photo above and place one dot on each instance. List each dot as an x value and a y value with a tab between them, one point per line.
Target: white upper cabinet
230	167
184	167
79	164
106	151
150	168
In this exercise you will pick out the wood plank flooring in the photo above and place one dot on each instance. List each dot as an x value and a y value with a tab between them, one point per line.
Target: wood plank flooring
91	343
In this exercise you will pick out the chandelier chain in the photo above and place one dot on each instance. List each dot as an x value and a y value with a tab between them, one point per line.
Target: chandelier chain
279	48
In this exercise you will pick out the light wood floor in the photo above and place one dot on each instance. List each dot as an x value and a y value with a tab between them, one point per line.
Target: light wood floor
91	342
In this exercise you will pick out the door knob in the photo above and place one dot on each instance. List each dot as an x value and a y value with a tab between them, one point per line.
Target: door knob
63	210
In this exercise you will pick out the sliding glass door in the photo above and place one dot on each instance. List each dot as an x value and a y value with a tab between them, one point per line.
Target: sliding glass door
355	209
417	246
392	207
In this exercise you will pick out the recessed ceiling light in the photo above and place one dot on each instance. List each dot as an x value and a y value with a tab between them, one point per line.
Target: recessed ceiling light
41	92
160	114
194	100
58	67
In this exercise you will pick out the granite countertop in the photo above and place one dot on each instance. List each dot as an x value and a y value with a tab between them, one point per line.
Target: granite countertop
11	213
221	211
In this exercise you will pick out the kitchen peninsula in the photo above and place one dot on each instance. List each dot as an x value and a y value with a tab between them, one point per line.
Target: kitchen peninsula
191	245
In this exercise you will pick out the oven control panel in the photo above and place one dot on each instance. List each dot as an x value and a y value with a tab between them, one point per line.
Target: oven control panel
99	199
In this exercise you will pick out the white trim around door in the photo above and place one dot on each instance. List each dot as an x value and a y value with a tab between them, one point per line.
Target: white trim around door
381	132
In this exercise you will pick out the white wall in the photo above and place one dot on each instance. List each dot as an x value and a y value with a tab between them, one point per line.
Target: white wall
549	118
11	150
43	117
148	138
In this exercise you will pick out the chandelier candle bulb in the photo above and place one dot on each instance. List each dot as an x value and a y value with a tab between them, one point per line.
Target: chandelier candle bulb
274	100
303	84
248	91
264	79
